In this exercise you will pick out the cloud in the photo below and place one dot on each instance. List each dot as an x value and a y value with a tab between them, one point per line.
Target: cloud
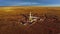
26	3
19	3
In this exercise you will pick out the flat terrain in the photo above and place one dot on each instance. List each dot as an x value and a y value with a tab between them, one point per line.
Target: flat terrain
10	20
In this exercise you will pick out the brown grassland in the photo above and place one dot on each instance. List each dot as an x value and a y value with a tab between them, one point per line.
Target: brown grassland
9	17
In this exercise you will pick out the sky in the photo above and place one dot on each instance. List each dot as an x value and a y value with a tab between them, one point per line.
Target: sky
29	2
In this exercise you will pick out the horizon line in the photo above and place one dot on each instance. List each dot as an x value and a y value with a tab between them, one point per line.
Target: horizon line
29	6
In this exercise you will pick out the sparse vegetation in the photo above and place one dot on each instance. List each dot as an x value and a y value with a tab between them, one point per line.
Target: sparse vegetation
10	20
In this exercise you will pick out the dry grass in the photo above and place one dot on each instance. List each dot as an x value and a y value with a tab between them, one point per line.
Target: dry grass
9	20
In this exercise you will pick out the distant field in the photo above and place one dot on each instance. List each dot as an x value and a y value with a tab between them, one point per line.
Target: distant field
10	19
40	10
